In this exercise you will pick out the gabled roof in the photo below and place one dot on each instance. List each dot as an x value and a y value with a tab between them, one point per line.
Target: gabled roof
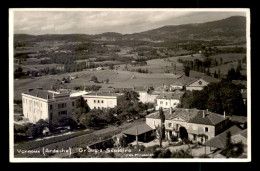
138	129
210	79
205	78
219	141
190	116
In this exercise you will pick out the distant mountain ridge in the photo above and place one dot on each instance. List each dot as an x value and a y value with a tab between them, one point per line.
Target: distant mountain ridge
232	28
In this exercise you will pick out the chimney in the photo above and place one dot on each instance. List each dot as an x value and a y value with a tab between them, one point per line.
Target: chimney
204	113
224	114
170	110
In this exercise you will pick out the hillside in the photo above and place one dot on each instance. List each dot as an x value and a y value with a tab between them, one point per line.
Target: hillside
232	28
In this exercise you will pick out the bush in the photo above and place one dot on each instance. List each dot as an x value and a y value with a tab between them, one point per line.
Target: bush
67	121
181	154
174	138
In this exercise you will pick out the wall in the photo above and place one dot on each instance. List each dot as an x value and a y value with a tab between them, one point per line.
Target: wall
196	85
166	103
108	102
35	108
147	98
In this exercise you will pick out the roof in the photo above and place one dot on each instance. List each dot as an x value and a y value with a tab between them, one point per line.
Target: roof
190	116
209	79
102	94
219	141
239	119
107	90
205	78
170	95
78	93
177	84
40	93
138	129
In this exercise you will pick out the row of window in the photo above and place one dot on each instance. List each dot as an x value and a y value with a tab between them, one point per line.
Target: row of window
206	129
62	105
99	101
166	103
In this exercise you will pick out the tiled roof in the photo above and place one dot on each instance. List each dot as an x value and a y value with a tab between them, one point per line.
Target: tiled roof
40	93
210	79
177	84
239	119
107	90
190	116
169	95
138	129
206	78
219	141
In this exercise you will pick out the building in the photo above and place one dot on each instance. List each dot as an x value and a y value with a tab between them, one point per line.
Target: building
146	96
47	105
196	125
100	100
168	100
176	86
199	84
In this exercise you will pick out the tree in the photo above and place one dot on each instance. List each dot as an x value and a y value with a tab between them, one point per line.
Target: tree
161	128
68	121
94	79
18	72
37	129
215	74
186	70
217	97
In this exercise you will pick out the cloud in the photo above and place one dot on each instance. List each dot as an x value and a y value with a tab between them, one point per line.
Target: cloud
96	22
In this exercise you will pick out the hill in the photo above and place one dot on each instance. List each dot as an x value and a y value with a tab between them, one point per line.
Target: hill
232	28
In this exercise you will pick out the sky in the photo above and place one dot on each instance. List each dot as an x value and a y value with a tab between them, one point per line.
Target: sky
97	22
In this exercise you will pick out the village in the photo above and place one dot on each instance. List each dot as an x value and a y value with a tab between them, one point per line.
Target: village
172	91
163	124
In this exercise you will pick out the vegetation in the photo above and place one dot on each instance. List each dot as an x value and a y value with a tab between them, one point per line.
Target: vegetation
232	150
217	97
160	129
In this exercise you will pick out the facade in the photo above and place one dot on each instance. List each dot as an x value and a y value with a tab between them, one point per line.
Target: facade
145	97
196	125
47	105
199	84
100	100
176	86
168	100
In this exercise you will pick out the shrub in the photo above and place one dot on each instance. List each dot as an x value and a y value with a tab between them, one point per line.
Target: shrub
174	138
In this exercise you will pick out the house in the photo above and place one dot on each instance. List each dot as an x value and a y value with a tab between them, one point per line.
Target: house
146	96
237	135
168	100
141	132
100	100
195	125
47	105
200	83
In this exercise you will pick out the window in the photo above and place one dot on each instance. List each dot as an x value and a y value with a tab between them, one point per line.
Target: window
102	101
50	107
73	104
200	82
194	137
50	116
161	102
206	129
63	112
98	101
94	101
169	124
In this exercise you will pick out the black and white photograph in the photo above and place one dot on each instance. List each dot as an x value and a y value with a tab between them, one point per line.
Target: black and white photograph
129	85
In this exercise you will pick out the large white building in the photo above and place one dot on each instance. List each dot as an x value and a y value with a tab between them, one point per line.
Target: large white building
100	100
47	105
